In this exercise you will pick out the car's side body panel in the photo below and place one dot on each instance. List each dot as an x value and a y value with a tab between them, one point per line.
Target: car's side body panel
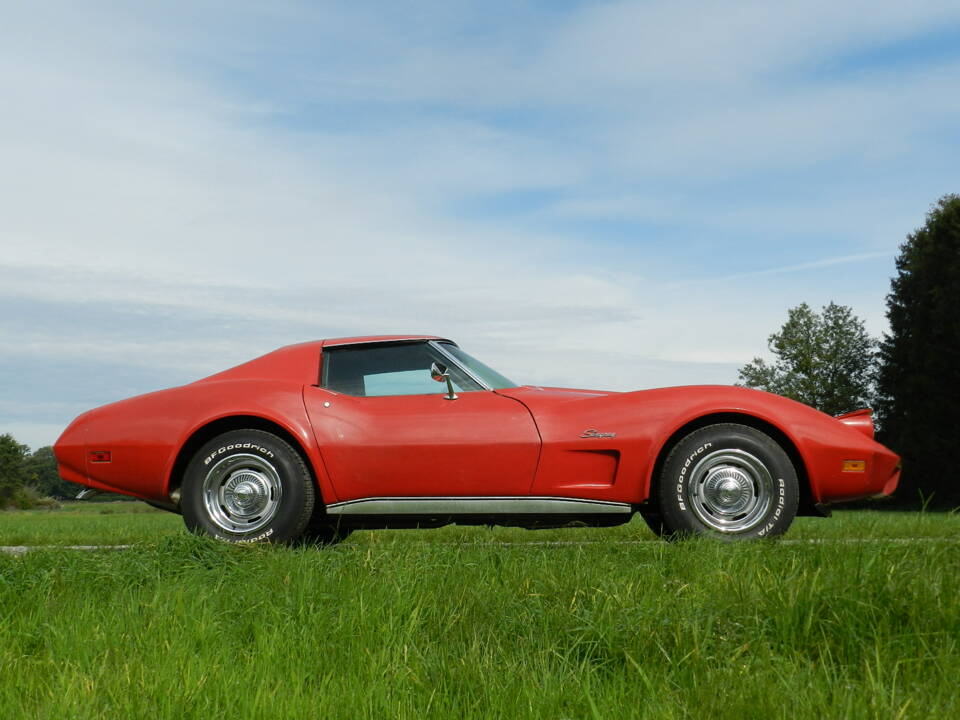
596	467
420	445
644	421
143	435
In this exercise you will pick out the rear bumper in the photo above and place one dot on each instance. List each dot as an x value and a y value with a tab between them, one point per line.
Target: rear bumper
891	484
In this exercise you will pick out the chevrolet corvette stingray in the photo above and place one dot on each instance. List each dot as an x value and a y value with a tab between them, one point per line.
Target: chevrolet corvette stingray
317	439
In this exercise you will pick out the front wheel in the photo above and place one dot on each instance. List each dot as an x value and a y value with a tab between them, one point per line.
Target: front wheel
730	481
248	486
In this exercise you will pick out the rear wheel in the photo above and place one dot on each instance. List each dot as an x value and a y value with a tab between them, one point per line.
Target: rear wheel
730	481
248	486
323	529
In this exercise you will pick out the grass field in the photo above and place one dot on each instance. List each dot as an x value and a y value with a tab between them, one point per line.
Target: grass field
455	623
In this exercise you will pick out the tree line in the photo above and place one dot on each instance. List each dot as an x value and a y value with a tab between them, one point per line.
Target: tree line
28	479
911	377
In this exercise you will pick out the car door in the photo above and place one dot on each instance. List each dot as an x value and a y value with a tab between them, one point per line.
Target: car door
386	429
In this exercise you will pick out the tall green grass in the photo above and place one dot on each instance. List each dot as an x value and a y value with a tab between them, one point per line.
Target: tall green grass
113	523
108	523
453	623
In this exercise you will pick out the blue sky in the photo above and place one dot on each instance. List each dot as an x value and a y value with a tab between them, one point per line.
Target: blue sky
616	195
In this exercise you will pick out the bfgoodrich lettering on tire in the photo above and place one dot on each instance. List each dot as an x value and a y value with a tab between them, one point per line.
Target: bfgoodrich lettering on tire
730	481
248	486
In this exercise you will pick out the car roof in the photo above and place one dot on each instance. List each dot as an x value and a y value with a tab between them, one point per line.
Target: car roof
300	362
335	342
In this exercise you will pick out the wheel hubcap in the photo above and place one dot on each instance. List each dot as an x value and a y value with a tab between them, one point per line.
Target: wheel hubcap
241	493
730	490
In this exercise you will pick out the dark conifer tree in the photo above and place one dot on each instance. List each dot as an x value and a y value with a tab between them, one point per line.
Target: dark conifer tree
919	379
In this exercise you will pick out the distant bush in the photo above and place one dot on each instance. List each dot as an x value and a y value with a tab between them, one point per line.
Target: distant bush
27	497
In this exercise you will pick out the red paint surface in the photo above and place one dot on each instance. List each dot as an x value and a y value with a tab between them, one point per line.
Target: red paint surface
861	420
479	444
509	442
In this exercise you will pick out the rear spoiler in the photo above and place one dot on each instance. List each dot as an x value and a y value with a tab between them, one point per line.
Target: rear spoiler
861	420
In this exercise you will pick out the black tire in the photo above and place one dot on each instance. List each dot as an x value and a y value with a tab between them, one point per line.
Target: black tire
729	481
654	521
323	529
248	486
325	534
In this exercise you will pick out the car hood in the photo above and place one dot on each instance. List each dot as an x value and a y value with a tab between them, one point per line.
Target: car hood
559	394
717	397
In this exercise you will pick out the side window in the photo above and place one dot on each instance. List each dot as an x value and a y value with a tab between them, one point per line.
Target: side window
402	382
395	369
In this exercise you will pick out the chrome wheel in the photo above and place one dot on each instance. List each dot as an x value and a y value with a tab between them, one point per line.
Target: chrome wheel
730	490
241	493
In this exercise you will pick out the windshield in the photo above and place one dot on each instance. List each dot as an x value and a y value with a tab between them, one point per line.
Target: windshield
487	374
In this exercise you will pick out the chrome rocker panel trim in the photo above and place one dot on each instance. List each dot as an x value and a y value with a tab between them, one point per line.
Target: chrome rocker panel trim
503	505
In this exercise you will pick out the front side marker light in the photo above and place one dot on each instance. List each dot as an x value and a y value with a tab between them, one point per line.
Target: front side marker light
857	466
100	456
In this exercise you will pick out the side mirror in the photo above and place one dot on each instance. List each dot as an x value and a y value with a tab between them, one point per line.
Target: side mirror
439	372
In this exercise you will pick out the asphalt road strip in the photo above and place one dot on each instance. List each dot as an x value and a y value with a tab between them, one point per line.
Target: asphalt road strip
19	550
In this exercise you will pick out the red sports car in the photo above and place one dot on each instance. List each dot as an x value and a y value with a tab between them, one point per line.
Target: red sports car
320	438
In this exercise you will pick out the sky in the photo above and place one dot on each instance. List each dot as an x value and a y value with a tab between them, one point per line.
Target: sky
614	195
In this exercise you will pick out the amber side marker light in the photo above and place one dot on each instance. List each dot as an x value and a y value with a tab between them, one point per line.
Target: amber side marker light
854	465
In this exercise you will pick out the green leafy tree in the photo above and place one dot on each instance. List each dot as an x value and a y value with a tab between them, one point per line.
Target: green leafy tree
13	471
826	360
42	466
919	379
